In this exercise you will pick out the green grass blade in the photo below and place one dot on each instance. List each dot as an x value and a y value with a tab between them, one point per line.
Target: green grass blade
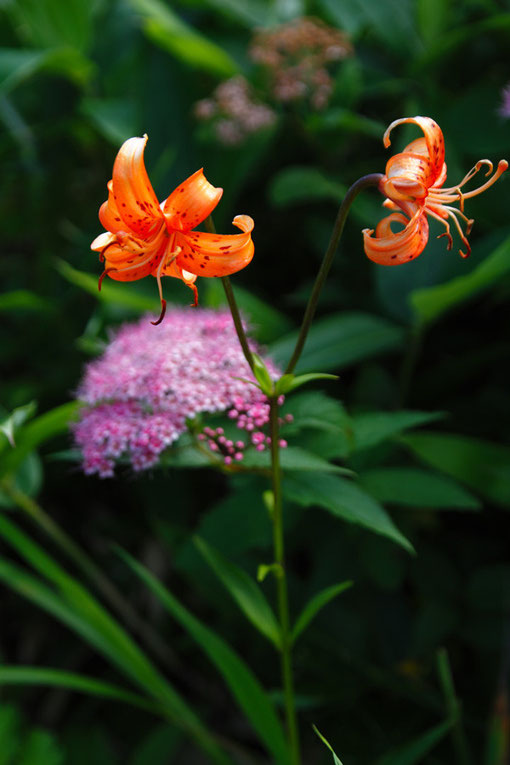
244	686
79	610
57	678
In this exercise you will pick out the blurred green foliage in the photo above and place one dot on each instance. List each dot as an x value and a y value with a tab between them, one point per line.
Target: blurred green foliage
421	346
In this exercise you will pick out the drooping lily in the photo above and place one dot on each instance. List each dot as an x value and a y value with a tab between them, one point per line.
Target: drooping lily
413	184
145	238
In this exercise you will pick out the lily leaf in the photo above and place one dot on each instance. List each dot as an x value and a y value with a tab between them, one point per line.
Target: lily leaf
314	605
248	596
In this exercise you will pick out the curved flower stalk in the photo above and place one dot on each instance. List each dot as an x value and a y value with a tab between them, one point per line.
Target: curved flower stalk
414	186
145	238
143	391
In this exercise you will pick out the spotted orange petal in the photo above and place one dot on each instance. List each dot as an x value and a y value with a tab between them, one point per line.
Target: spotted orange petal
191	202
206	254
127	258
390	248
412	172
132	198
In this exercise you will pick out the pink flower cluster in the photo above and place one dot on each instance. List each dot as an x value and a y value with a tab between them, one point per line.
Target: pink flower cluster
149	381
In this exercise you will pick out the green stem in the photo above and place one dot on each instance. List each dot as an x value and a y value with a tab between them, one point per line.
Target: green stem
281	582
236	316
453	709
232	303
111	594
361	184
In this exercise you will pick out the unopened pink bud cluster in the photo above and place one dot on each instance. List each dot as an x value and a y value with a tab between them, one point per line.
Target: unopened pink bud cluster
139	394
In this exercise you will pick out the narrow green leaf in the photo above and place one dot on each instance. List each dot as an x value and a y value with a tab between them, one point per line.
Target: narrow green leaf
300	380
15	419
243	684
248	596
343	499
262	375
481	465
340	340
314	605
24	300
57	678
336	760
169	31
414	752
371	428
413	487
431	302
110	292
36	432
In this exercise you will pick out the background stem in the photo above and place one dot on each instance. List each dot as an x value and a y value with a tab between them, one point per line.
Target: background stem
362	183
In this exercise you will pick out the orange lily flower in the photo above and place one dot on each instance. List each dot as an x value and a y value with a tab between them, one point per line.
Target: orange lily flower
413	185
143	237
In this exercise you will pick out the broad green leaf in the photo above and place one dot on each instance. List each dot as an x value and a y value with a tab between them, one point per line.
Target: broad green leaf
24	300
81	612
40	748
303	184
340	340
371	428
251	13
392	22
343	499
51	23
414	752
293	458
432	17
36	432
268	322
336	760
17	65
430	303
110	292
72	681
170	32
314	409
9	424
248	596
417	488
314	605
114	118
244	686
482	465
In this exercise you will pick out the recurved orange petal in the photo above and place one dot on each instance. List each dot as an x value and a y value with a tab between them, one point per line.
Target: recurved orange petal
206	254
389	248
191	202
127	258
434	143
132	197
